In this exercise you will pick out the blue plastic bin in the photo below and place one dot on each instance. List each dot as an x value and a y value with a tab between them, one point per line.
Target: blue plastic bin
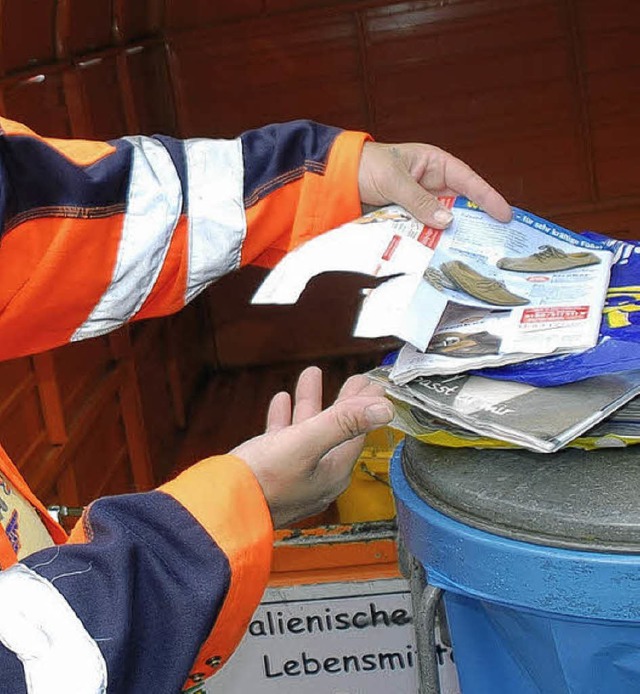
536	615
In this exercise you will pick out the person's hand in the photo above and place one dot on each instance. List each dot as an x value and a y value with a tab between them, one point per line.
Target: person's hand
413	175
304	459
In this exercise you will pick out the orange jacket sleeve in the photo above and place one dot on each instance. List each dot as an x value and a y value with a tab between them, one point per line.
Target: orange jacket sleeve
96	234
152	592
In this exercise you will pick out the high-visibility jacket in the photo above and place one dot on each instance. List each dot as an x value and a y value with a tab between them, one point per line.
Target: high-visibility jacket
151	590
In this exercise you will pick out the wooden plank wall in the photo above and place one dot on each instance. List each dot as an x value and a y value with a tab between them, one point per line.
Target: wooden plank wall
541	96
103	416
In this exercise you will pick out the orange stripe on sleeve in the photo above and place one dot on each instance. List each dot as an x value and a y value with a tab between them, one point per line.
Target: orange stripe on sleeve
269	228
169	290
306	207
80	152
52	273
226	499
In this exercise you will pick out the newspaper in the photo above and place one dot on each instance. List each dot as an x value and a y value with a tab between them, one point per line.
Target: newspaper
478	293
610	433
539	419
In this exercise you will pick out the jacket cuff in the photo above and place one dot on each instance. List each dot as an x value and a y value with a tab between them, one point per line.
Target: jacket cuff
327	201
226	499
339	201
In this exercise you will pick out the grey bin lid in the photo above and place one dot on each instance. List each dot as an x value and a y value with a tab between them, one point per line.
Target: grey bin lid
586	500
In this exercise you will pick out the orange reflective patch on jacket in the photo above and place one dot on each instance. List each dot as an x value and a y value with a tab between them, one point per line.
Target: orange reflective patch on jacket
236	516
80	152
65	265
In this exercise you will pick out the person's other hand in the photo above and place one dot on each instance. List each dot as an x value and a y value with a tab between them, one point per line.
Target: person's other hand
304	459
413	175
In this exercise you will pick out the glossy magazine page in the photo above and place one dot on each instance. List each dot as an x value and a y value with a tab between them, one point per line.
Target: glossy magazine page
479	292
540	419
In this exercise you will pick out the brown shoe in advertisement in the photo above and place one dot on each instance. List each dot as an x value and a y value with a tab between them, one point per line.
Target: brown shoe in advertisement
548	259
437	279
480	287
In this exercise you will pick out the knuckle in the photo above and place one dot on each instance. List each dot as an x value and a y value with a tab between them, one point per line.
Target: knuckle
350	422
428	204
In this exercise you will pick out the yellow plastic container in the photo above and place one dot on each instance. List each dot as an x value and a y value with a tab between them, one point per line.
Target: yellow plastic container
369	497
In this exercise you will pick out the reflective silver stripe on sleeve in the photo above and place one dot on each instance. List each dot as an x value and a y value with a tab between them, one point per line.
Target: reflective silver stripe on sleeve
154	203
217	224
39	626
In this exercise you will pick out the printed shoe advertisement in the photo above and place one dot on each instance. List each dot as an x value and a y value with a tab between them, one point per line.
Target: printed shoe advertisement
479	293
617	348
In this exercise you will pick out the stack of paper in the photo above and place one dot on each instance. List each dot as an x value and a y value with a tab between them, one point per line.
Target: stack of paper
479	294
540	419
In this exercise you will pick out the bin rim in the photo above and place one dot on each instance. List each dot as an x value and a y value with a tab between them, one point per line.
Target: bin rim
465	560
571	499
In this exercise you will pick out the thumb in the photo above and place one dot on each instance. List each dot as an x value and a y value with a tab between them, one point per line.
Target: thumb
419	202
345	420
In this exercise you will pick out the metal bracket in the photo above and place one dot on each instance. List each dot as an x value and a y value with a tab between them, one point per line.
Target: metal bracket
59	513
425	600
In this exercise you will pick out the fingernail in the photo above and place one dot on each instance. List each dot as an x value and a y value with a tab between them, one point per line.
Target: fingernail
443	216
379	414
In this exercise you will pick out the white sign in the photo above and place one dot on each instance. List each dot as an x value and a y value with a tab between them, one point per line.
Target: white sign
347	638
